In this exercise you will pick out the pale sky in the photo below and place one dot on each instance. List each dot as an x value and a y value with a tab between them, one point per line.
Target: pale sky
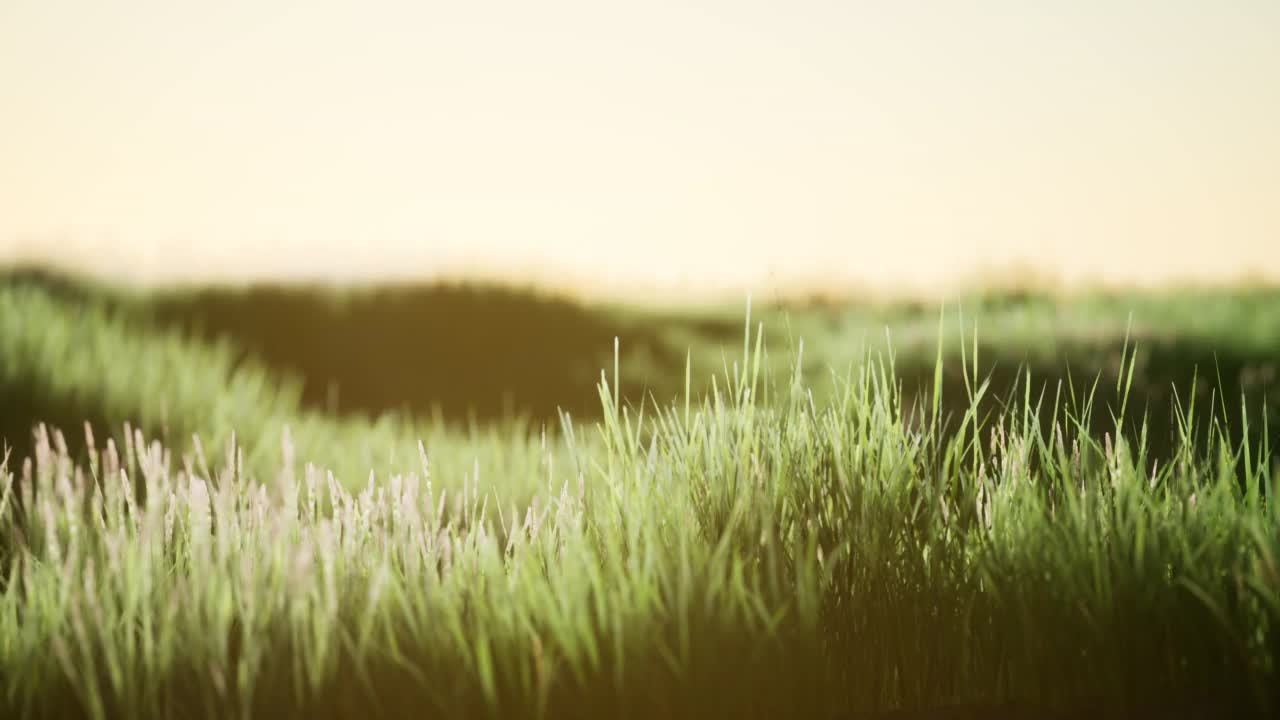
649	146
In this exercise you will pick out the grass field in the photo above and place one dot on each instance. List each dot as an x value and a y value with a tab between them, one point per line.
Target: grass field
1067	512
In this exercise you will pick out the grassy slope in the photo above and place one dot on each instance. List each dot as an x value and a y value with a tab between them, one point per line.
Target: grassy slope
1031	567
68	361
727	558
327	362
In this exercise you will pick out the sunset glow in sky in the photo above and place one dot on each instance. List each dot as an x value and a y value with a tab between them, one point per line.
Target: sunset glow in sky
694	146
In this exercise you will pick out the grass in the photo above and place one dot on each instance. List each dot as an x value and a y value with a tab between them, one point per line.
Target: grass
71	363
770	543
362	373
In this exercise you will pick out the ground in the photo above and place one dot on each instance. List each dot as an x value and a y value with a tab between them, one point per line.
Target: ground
494	502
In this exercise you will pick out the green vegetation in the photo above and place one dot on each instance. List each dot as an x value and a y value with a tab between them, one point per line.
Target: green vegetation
408	361
71	362
923	529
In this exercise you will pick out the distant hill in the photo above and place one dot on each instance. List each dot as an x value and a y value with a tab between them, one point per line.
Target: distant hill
465	353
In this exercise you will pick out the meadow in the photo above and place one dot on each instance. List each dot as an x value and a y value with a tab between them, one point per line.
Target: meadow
464	502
